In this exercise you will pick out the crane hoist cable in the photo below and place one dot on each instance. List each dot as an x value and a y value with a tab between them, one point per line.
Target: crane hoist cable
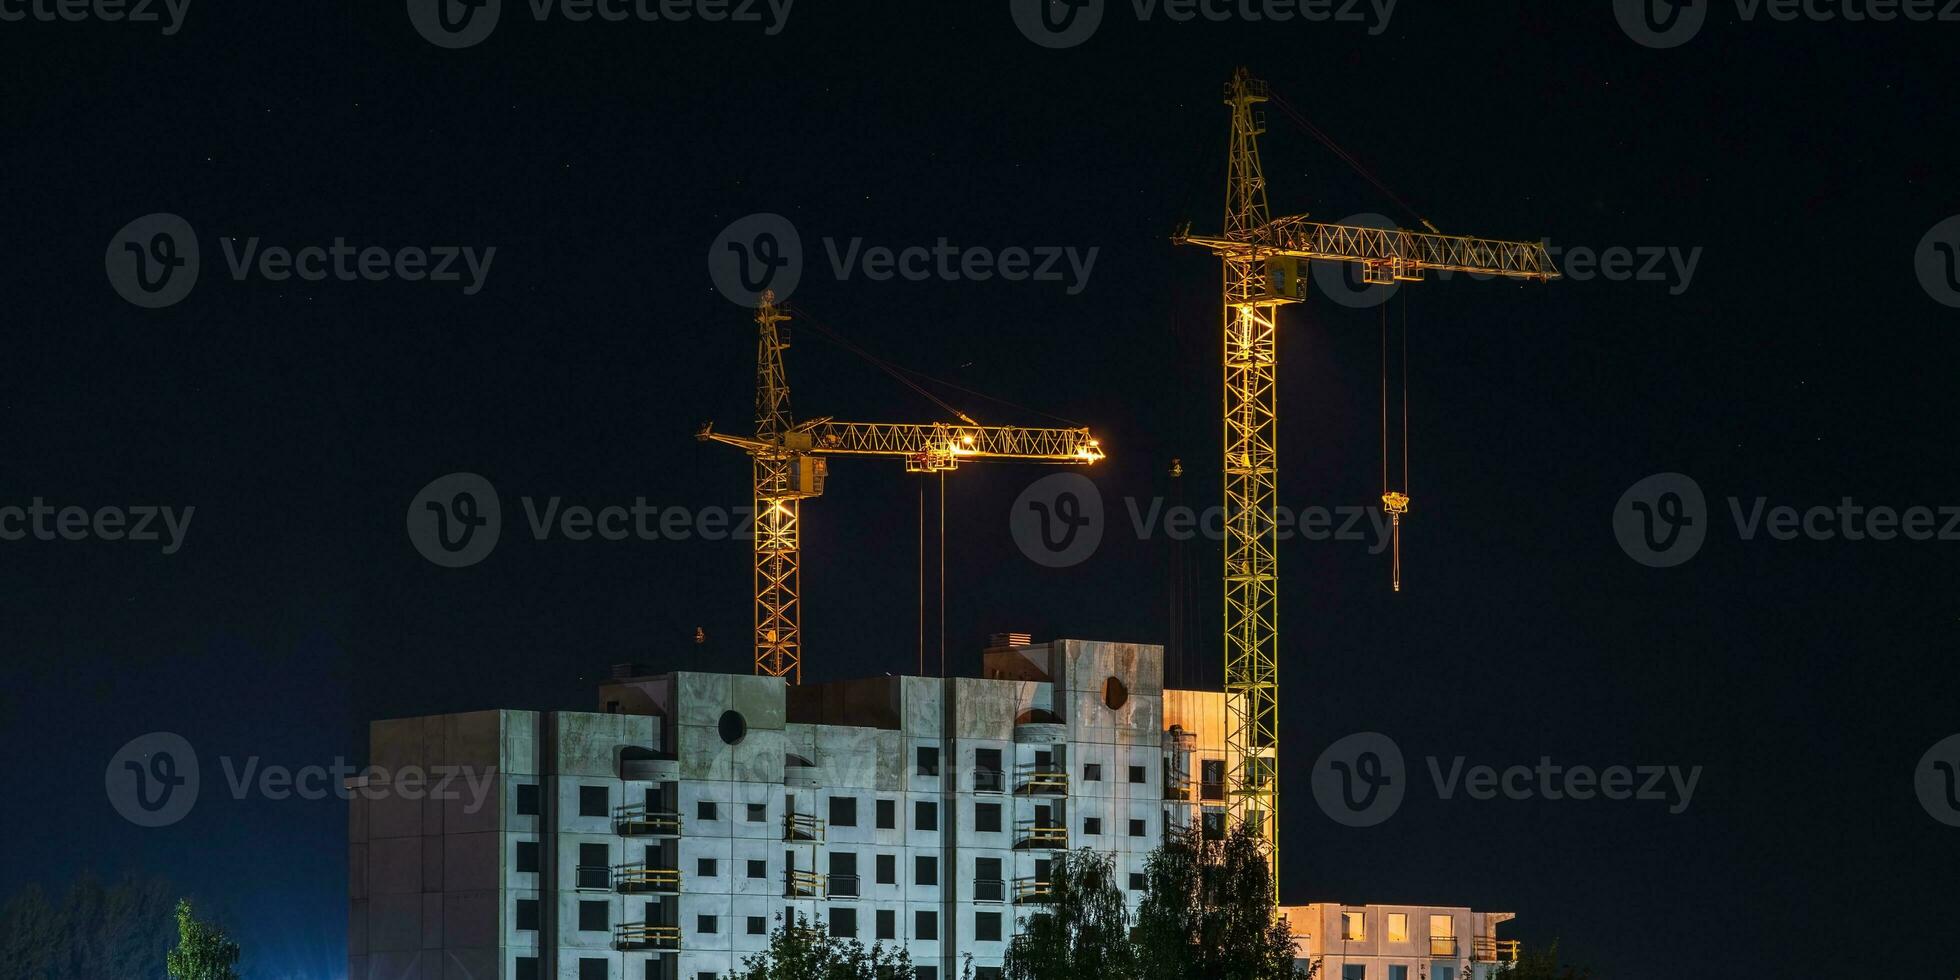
1300	120
904	375
1396	502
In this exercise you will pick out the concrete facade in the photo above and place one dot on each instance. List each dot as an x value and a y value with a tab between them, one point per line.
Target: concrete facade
665	836
1401	942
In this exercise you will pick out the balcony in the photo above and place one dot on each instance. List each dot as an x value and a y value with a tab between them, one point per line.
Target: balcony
1051	836
1442	947
989	890
803	884
802	826
1042	780
801	773
640	936
989	781
592	877
841	886
638	821
1488	949
1033	891
639	879
647	765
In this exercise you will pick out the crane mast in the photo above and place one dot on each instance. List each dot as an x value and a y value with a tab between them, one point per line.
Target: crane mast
789	465
1251	572
1265	261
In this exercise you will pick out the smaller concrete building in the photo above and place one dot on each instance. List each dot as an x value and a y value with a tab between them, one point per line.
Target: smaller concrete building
1401	942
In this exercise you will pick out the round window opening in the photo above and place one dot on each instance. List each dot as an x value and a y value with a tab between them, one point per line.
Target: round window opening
733	727
1115	694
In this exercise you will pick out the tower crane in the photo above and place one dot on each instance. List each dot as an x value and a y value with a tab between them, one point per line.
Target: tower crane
789	466
1265	260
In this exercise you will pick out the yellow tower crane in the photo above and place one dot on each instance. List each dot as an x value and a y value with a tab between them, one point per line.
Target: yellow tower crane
789	466
1265	261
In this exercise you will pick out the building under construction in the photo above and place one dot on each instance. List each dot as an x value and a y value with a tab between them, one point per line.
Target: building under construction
664	836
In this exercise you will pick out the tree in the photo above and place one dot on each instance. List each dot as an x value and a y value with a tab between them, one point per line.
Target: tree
1084	931
1209	912
801	951
203	950
94	930
1542	963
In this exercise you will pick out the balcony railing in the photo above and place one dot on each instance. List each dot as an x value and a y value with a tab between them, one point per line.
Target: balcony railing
1038	780
802	826
803	884
1033	891
592	876
639	879
842	886
1442	946
1044	835
642	936
1487	949
638	821
989	890
989	781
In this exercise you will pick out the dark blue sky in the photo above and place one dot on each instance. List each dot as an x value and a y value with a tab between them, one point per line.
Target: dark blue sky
1803	363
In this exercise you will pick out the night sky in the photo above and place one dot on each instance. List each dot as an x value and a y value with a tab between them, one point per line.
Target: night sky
1802	362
